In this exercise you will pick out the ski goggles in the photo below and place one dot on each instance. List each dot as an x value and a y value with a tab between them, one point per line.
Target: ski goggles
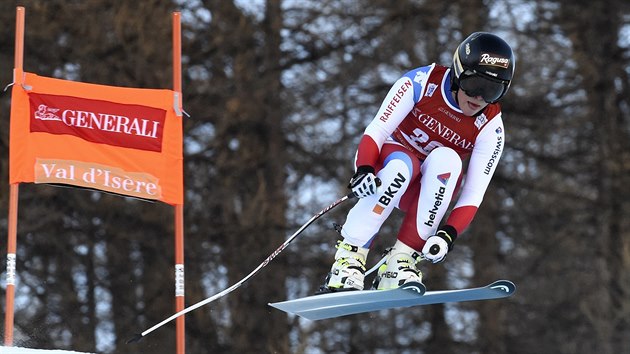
480	86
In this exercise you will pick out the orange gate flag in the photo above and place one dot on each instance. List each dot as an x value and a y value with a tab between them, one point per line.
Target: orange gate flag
121	140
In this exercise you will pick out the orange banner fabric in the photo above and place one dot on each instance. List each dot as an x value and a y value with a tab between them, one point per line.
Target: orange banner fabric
121	140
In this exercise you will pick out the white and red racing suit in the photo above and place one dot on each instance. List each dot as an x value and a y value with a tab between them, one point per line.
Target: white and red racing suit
417	143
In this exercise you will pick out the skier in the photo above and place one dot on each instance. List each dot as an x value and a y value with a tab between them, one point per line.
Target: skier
411	155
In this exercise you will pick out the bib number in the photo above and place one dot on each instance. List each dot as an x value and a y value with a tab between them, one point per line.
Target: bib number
420	139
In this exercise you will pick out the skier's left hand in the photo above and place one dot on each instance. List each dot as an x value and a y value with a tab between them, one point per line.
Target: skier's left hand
438	245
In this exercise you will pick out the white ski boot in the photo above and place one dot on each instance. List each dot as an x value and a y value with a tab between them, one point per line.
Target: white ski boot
399	268
348	271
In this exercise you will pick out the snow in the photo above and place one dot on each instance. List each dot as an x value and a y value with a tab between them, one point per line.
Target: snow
16	350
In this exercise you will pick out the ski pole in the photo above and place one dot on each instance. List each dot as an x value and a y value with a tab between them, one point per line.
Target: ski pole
139	336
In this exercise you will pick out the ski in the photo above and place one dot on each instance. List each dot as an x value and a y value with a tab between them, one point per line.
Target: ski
319	307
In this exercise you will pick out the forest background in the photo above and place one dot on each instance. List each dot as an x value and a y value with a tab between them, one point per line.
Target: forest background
279	93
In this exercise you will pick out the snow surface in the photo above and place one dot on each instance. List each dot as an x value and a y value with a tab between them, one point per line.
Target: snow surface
16	350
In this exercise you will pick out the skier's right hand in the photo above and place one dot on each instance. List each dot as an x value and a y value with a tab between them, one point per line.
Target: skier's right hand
364	182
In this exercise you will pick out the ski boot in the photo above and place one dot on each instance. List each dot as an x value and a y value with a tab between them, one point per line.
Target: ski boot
399	268
348	271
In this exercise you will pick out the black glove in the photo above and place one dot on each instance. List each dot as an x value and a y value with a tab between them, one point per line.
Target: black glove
364	182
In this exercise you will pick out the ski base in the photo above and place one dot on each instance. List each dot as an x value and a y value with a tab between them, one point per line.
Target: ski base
338	304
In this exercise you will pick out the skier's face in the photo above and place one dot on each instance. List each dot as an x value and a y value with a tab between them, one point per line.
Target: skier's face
470	105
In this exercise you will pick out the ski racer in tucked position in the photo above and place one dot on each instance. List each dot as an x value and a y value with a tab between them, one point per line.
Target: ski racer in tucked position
411	155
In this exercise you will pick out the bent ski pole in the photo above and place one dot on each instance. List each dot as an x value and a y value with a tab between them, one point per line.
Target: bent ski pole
139	336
